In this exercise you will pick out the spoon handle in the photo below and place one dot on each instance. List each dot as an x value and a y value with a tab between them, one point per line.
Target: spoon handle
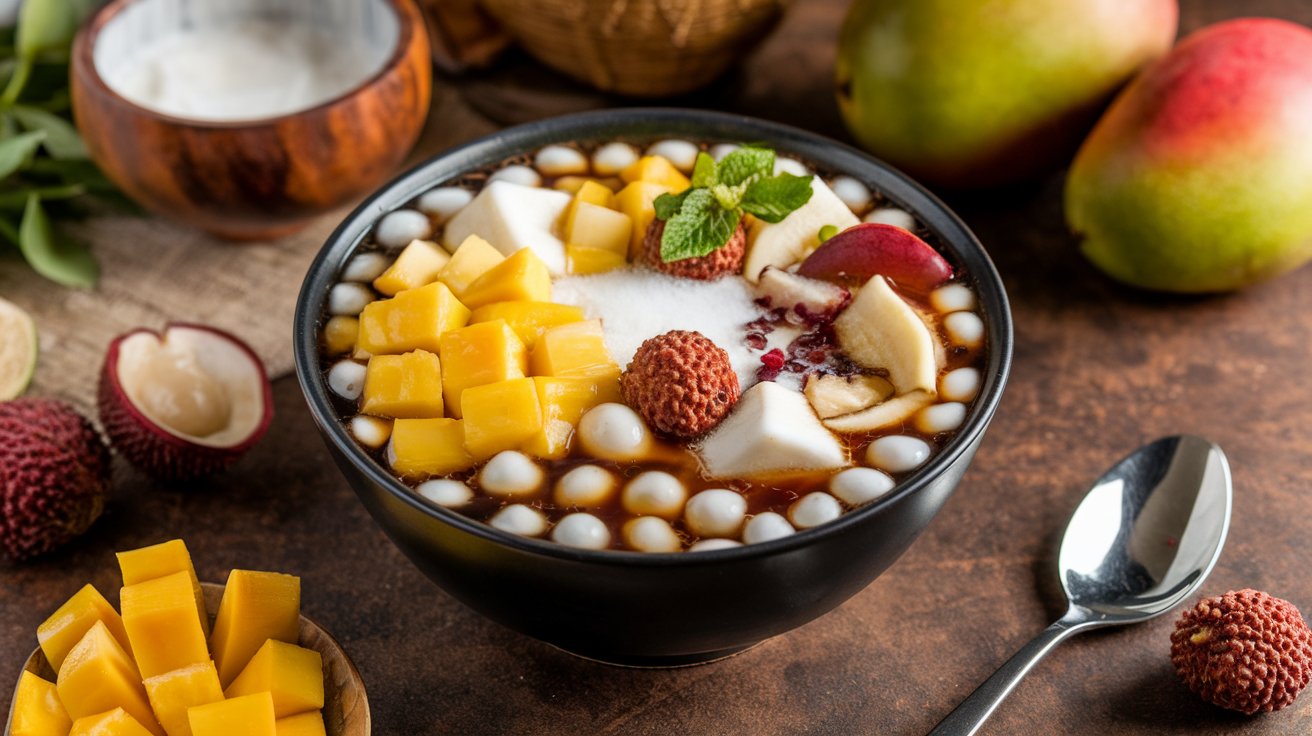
966	719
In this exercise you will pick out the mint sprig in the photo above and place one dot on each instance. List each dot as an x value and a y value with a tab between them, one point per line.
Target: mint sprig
703	217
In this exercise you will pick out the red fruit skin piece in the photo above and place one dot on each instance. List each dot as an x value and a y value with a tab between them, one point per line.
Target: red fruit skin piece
861	251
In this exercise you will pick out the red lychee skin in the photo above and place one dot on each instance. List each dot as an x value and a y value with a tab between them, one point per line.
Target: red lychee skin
54	476
681	383
723	261
1246	651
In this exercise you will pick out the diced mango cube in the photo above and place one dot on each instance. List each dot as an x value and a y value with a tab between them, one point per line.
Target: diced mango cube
521	277
563	402
528	319
37	710
594	226
158	560
637	200
172	693
58	634
500	416
339	334
408	385
481	353
115	722
577	350
472	259
98	676
581	260
572	184
292	675
249	715
163	624
592	193
421	448
305	724
412	320
256	607
418	265
657	170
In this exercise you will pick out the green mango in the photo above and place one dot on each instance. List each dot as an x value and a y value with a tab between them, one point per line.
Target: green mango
1199	177
975	93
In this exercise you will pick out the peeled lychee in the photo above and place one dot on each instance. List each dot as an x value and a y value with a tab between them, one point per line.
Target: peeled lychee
681	382
54	476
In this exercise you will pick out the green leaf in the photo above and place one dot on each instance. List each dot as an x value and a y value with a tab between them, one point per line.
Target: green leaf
667	205
703	172
775	198
16	152
745	164
700	227
52	255
62	140
16	200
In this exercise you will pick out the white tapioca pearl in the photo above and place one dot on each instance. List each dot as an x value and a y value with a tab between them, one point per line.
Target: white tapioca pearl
895	216
961	384
720	150
587	485
710	545
856	486
613	158
520	519
365	267
943	417
852	192
370	431
446	492
518	174
764	527
814	509
348	299
510	474
683	154
613	431
792	166
651	534
346	379
398	228
443	203
952	298
964	328
718	512
560	161
581	530
897	453
654	493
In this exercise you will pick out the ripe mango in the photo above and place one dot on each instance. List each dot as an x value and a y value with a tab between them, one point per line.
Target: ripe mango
575	350
58	634
412	320
248	715
500	416
37	710
418	265
403	386
528	319
421	448
115	722
481	353
637	200
256	606
292	675
657	170
563	402
98	676
472	258
163	624
173	693
521	277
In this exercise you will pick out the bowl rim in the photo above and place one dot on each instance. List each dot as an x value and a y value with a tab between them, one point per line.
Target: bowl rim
645	123
84	62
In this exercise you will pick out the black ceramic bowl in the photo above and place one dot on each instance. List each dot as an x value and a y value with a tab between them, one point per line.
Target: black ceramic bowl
654	609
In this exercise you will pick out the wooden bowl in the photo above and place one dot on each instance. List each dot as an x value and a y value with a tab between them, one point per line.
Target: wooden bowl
345	704
260	178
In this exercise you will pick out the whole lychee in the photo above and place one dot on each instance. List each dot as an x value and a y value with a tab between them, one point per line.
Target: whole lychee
54	476
725	260
681	383
1245	650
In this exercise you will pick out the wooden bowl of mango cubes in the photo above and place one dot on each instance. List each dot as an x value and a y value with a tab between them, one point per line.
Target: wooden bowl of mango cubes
187	658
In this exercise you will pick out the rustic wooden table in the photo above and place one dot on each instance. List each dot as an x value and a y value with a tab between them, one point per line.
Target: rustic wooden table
1098	370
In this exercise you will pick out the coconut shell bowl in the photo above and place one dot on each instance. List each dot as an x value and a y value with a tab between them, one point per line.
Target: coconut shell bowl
346	705
258	178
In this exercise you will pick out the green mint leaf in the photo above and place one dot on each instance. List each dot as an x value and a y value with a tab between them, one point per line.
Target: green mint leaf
16	152
61	141
744	165
667	205
703	172
52	255
700	227
775	198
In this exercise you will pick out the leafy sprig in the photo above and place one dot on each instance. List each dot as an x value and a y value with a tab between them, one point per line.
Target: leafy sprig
704	216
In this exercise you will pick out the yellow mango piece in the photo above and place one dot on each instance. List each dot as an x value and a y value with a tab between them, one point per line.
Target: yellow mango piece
637	200
412	320
594	226
305	724
500	416
408	385
418	265
37	710
481	353
256	607
589	193
473	258
528	319
163	624
292	675
422	448
172	693
657	170
576	350
521	277
572	184
98	676
58	634
158	560
581	260
249	715
339	334
115	722
563	402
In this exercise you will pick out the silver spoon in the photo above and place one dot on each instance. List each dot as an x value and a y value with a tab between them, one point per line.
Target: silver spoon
1143	539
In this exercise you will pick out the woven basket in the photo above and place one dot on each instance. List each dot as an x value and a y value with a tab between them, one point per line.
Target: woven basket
645	48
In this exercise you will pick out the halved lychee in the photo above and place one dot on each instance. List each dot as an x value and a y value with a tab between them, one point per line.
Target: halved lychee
185	402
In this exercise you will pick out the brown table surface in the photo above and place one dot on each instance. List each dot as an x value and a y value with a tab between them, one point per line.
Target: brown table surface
1098	370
